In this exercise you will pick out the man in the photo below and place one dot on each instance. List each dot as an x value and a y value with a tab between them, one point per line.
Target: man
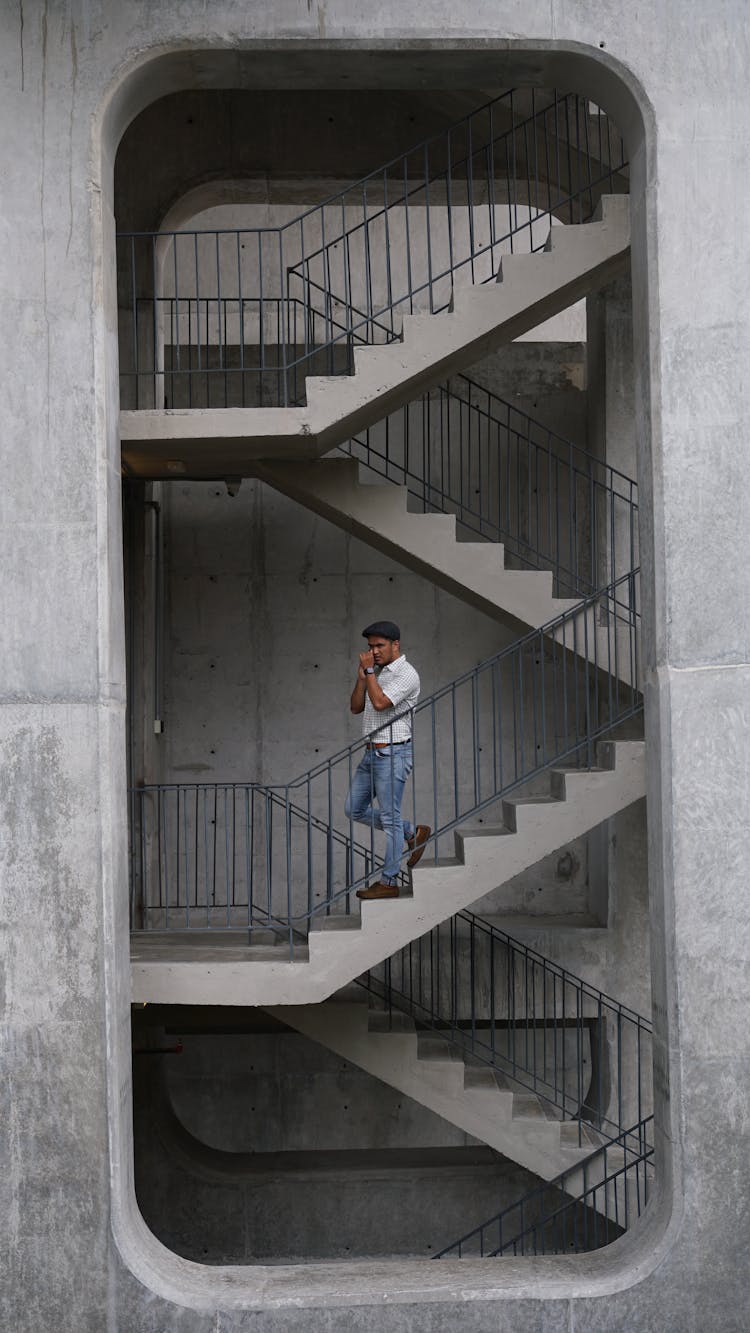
385	692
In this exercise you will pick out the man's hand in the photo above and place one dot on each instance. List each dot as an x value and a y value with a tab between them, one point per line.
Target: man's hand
359	693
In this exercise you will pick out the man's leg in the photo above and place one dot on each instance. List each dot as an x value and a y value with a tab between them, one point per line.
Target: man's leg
359	806
391	768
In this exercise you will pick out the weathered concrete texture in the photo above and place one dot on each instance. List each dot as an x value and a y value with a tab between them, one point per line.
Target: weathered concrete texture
54	1139
675	75
529	1317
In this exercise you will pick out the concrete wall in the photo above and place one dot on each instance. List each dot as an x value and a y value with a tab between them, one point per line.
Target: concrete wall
675	76
266	609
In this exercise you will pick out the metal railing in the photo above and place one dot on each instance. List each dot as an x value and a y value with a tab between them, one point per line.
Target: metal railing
241	853
397	241
608	1192
210	847
502	1003
232	351
465	451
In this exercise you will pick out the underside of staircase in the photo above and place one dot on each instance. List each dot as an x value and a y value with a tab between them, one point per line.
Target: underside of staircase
474	1097
473	571
530	288
170	968
493	1098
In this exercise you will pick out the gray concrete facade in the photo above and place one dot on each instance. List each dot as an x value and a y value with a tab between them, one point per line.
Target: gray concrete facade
74	74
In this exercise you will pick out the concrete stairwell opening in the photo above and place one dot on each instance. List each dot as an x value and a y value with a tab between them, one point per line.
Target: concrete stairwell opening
253	555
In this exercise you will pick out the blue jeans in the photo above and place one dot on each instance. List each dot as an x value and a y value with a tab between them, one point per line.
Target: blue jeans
382	775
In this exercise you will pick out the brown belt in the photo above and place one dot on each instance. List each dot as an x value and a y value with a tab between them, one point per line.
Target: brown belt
382	745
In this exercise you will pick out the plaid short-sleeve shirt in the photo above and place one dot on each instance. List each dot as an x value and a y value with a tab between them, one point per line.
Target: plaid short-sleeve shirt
400	682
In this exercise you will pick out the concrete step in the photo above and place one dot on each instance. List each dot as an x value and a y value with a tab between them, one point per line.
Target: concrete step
174	956
532	288
480	1078
381	1020
338	954
336	921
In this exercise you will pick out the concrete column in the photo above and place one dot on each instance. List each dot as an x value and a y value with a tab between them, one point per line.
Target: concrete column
611	422
61	689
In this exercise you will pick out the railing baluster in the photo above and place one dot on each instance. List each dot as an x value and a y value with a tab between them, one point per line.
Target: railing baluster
428	227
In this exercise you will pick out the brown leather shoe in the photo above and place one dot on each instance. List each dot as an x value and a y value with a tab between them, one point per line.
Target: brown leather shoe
379	890
421	834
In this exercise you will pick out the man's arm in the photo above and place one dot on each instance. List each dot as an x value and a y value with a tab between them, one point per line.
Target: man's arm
367	685
357	701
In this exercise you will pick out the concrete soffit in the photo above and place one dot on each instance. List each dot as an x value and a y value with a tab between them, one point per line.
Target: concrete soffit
316	63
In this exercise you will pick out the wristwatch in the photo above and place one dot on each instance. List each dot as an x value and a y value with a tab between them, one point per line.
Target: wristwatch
369	671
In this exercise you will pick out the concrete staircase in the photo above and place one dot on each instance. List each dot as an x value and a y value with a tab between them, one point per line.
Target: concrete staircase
478	1098
284	447
529	289
431	1070
172	970
472	570
470	1095
426	543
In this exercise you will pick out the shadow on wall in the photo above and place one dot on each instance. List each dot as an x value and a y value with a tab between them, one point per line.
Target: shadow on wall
322	1162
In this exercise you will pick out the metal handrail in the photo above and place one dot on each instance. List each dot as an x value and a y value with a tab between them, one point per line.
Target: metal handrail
544	700
396	241
503	1004
603	1206
466	451
473	165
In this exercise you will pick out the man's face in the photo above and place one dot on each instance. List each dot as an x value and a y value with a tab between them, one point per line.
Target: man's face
383	650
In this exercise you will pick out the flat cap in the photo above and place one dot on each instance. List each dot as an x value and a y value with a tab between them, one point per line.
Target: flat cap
385	628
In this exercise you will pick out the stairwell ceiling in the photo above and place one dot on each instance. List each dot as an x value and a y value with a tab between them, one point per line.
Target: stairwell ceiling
280	138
